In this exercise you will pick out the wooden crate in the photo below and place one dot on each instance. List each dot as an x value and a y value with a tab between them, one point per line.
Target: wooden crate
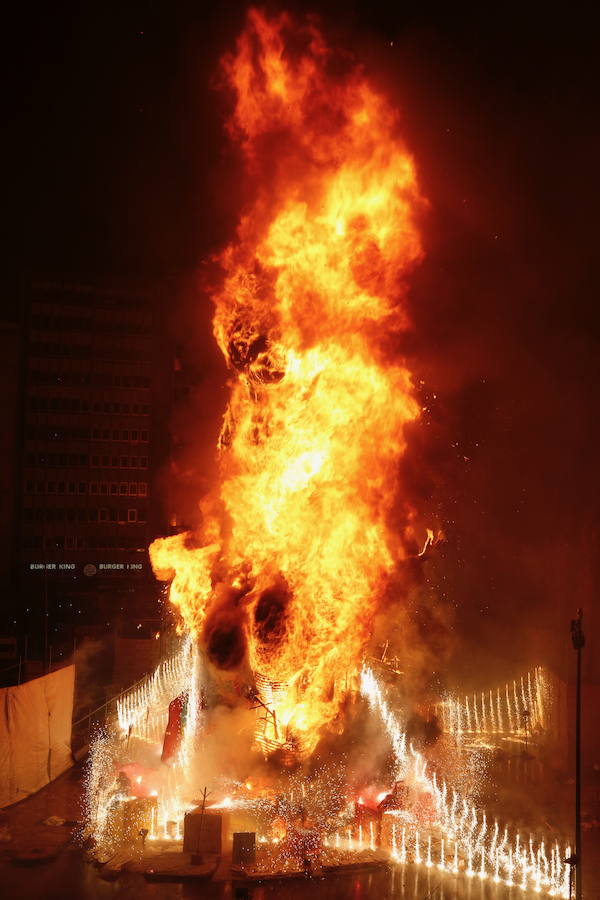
212	838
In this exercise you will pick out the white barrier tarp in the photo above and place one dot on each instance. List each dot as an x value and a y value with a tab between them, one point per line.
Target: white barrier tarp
35	733
59	698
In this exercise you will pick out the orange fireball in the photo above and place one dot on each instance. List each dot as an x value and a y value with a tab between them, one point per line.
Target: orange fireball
292	562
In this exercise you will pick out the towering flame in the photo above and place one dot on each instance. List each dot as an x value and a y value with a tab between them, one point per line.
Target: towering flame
296	545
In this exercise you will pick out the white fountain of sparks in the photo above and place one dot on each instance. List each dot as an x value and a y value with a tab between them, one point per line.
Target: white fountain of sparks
499	861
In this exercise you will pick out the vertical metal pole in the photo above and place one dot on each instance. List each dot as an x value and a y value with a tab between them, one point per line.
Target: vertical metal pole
578	639
579	870
199	838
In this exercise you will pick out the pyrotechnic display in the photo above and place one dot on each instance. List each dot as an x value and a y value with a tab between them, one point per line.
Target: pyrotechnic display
278	733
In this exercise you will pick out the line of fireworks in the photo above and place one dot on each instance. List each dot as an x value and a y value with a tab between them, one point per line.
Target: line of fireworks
488	852
142	715
518	707
145	707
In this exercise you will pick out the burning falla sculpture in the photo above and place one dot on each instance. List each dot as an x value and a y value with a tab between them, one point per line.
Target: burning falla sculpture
280	584
295	547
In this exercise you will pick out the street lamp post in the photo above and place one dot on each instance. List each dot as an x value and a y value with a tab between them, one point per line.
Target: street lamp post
578	640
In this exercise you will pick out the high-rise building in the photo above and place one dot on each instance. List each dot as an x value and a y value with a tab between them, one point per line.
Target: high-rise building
10	353
97	370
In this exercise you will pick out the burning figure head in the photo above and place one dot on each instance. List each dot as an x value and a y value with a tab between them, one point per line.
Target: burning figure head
292	560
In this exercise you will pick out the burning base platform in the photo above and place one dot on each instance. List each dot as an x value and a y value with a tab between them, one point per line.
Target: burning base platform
162	802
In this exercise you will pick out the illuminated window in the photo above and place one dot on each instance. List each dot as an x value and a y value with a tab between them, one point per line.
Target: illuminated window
132	515
133	488
142	488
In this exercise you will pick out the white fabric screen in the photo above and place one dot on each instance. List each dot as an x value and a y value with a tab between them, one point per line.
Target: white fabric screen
35	733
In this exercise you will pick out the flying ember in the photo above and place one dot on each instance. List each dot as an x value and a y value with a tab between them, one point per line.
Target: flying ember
291	560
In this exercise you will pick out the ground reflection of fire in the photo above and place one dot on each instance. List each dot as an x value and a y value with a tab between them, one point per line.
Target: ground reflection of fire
278	588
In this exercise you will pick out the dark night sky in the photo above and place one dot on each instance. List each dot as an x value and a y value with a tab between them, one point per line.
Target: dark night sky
121	167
